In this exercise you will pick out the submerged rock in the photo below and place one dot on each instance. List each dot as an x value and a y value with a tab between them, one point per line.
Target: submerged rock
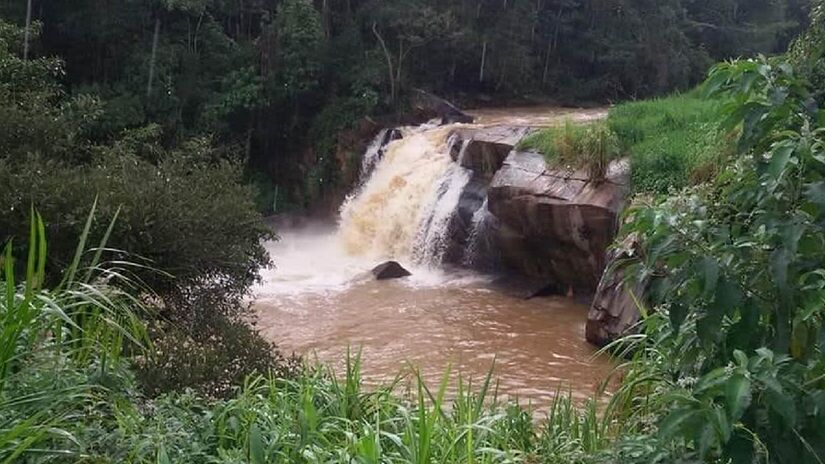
615	310
390	270
526	288
555	223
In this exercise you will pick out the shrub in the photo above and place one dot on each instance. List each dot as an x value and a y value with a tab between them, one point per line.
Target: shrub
58	345
188	217
212	361
734	349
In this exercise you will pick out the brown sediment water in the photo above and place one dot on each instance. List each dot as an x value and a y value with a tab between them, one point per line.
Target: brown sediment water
319	300
433	320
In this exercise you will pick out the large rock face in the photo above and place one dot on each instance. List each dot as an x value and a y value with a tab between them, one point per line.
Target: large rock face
614	311
555	223
482	151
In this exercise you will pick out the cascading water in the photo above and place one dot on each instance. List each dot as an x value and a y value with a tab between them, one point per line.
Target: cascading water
412	200
433	234
403	209
478	252
373	155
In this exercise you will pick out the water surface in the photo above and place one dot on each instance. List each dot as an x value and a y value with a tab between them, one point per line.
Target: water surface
315	303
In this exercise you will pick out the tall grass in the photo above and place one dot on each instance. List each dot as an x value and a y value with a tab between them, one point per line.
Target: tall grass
590	147
67	395
672	142
81	321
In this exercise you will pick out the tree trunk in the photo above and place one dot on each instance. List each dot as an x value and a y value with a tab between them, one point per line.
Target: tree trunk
398	66
547	62
152	59
28	30
483	60
388	57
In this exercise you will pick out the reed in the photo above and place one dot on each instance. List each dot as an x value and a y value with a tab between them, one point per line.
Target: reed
85	319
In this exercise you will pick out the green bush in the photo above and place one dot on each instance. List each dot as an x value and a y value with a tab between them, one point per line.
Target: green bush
732	354
212	361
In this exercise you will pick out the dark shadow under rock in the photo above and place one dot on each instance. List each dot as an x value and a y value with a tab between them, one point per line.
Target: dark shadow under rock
526	288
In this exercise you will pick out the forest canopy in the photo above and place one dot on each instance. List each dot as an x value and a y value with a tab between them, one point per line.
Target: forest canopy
275	81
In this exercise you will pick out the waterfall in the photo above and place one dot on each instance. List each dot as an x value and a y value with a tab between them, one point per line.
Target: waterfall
403	209
433	238
478	252
372	155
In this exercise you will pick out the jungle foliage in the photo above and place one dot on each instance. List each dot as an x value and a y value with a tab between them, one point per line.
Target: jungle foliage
278	80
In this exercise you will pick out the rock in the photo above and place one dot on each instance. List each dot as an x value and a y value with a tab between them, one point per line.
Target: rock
553	223
390	270
486	148
526	288
481	150
427	106
391	135
461	223
614	311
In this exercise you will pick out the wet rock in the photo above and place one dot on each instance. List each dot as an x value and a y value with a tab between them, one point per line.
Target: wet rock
427	106
390	270
391	135
486	148
461	223
482	151
614	311
526	288
554	223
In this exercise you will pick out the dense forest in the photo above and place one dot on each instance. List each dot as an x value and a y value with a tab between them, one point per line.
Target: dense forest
141	140
275	82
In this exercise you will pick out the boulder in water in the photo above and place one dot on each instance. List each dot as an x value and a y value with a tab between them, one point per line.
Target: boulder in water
390	270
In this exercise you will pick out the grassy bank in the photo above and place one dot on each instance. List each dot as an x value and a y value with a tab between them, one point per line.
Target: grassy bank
672	142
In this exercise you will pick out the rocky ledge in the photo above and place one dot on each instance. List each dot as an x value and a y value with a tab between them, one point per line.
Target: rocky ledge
555	223
551	225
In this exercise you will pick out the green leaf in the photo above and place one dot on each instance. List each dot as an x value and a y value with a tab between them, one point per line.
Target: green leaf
779	159
728	297
162	456
737	395
678	313
708	269
256	445
781	403
678	422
